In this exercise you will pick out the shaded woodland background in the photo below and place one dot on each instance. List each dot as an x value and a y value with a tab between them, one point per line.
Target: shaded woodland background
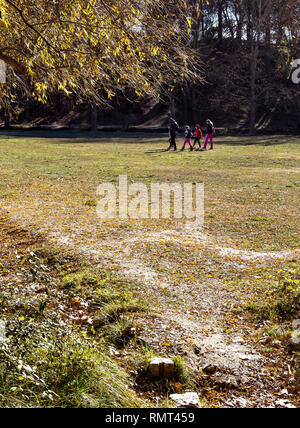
245	51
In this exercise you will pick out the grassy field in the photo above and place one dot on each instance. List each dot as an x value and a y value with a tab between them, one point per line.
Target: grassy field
251	184
225	277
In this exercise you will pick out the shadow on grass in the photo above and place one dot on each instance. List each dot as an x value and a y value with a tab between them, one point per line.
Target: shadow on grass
81	137
261	140
158	151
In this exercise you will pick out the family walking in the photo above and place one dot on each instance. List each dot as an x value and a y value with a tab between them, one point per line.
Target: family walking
197	135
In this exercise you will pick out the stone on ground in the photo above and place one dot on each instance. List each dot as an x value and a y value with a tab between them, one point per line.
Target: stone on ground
188	399
160	368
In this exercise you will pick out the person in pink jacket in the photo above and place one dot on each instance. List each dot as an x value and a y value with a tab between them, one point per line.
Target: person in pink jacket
210	133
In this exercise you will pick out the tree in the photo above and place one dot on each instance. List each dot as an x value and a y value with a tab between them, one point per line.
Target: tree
261	15
220	7
82	46
255	18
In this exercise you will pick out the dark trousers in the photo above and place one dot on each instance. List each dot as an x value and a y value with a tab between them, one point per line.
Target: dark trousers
173	141
197	140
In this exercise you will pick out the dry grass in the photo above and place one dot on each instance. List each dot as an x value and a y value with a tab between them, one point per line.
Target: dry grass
200	279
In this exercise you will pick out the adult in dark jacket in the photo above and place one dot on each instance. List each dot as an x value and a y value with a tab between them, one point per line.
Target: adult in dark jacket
173	129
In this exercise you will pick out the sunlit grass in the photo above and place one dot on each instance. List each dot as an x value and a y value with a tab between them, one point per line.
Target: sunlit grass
53	183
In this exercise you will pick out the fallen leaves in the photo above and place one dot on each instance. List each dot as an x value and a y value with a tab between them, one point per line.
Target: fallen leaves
197	281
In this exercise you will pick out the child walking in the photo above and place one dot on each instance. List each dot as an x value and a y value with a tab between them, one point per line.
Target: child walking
188	136
197	137
210	132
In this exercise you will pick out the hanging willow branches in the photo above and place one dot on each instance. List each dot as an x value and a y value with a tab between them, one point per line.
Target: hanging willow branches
94	48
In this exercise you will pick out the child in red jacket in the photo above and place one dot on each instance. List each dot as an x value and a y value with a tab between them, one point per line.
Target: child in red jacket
198	135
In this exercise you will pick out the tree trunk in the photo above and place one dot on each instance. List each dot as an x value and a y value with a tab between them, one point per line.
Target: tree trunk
239	32
186	105
253	68
249	23
94	117
252	130
268	35
239	15
6	120
220	21
172	104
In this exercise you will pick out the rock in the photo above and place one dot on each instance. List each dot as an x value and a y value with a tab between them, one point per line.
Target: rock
296	324
237	403
241	402
295	340
285	404
3	337
225	382
238	340
250	357
188	399
160	368
210	369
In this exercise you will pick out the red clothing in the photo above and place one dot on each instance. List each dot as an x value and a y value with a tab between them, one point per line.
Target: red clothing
198	133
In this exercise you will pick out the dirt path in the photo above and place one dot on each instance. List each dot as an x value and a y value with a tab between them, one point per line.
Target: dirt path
189	320
193	318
